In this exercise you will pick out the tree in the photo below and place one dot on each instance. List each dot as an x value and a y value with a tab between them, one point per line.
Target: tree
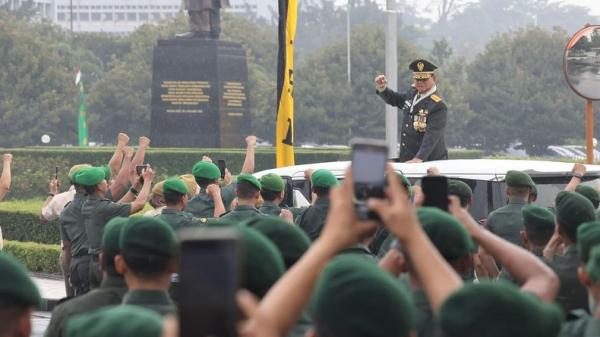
441	52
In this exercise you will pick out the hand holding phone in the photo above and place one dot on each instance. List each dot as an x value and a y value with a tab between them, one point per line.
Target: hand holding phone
369	159
222	167
139	169
435	189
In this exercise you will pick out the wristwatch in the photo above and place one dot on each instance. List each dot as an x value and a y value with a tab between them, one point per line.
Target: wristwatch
577	175
50	194
133	190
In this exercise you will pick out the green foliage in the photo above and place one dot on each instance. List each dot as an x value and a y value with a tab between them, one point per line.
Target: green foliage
36	257
26	226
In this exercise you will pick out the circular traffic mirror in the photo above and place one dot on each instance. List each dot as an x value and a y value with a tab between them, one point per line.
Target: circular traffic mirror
581	63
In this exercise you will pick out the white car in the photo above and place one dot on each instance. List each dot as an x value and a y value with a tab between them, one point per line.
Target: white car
485	176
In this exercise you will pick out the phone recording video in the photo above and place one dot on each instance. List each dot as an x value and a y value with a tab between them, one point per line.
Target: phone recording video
369	159
208	282
139	169
222	167
435	189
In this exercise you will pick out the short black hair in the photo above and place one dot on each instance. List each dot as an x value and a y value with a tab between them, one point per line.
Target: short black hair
172	197
145	265
520	192
109	264
464	201
568	230
269	195
90	189
246	190
321	191
204	182
539	237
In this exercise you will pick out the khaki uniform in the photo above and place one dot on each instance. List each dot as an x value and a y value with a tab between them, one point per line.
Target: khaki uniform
507	222
241	213
178	219
313	218
72	229
572	295
111	292
156	300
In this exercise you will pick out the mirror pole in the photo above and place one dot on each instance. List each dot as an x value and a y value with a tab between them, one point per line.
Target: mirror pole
589	130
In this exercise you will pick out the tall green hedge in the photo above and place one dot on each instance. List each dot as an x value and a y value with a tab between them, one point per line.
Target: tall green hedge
23	226
34	167
36	257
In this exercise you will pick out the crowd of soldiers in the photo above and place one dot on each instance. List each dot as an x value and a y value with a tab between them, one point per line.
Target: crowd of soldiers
318	271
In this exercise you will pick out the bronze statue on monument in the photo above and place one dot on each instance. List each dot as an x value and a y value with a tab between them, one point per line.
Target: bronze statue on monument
204	18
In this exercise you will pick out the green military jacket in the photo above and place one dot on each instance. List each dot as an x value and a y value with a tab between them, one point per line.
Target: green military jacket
425	323
576	324
71	225
178	219
271	208
313	218
111	292
241	213
203	206
96	212
507	221
505	275
359	250
156	300
572	295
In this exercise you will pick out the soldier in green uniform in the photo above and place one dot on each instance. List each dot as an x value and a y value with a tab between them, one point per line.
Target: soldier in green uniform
313	218
19	297
579	321
208	203
572	209
462	191
248	196
118	321
425	115
176	198
272	192
507	221
109	293
591	194
148	257
74	238
98	210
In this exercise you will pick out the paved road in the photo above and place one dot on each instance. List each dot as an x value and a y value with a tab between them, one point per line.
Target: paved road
50	288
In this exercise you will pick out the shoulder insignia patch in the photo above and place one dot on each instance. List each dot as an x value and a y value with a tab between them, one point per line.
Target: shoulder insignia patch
436	98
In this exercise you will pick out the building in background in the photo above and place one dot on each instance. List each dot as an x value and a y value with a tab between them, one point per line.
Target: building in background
114	16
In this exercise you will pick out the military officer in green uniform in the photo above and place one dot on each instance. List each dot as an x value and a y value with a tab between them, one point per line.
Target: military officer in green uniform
273	192
248	196
208	203
572	209
425	114
74	238
176	198
97	210
462	191
109	293
507	221
148	257
313	218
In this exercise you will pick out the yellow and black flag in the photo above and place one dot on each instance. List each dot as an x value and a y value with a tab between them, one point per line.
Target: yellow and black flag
284	131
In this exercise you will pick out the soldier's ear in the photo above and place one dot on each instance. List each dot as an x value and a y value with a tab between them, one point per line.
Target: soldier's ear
120	265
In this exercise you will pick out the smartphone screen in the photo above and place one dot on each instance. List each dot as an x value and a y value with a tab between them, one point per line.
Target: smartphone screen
368	170
222	167
56	173
435	189
208	285
140	168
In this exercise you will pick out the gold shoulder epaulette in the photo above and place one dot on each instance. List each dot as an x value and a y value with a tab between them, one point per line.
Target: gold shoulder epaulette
436	98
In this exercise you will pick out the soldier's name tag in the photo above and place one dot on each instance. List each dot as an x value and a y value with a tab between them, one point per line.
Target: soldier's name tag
420	120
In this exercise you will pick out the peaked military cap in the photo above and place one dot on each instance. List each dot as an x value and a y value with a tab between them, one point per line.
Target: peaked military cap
272	182
590	193
323	178
518	179
16	288
249	179
116	321
498	309
588	236
190	182
206	170
158	189
422	69
355	298
537	218
445	232
175	184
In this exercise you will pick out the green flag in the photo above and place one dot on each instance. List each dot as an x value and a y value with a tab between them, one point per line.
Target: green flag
82	128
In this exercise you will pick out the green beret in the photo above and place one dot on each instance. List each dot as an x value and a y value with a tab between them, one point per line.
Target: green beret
112	235
150	235
206	170
75	169
107	172
272	182
291	241
249	179
175	184
323	178
16	288
536	218
445	232
590	193
354	298
593	265
588	236
262	263
498	309
89	176
518	179
460	189
116	321
573	209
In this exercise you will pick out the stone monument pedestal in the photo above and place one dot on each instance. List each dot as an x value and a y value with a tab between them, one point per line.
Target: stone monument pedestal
199	94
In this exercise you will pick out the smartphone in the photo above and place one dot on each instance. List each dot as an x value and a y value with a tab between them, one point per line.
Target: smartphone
139	169
369	159
435	189
222	167
56	173
209	278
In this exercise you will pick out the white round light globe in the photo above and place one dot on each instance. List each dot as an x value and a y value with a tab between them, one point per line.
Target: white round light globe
45	139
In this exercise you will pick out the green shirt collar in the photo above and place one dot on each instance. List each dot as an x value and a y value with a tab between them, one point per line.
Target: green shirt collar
142	297
113	282
244	208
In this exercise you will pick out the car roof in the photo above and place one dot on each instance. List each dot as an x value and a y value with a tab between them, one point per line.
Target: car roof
478	169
